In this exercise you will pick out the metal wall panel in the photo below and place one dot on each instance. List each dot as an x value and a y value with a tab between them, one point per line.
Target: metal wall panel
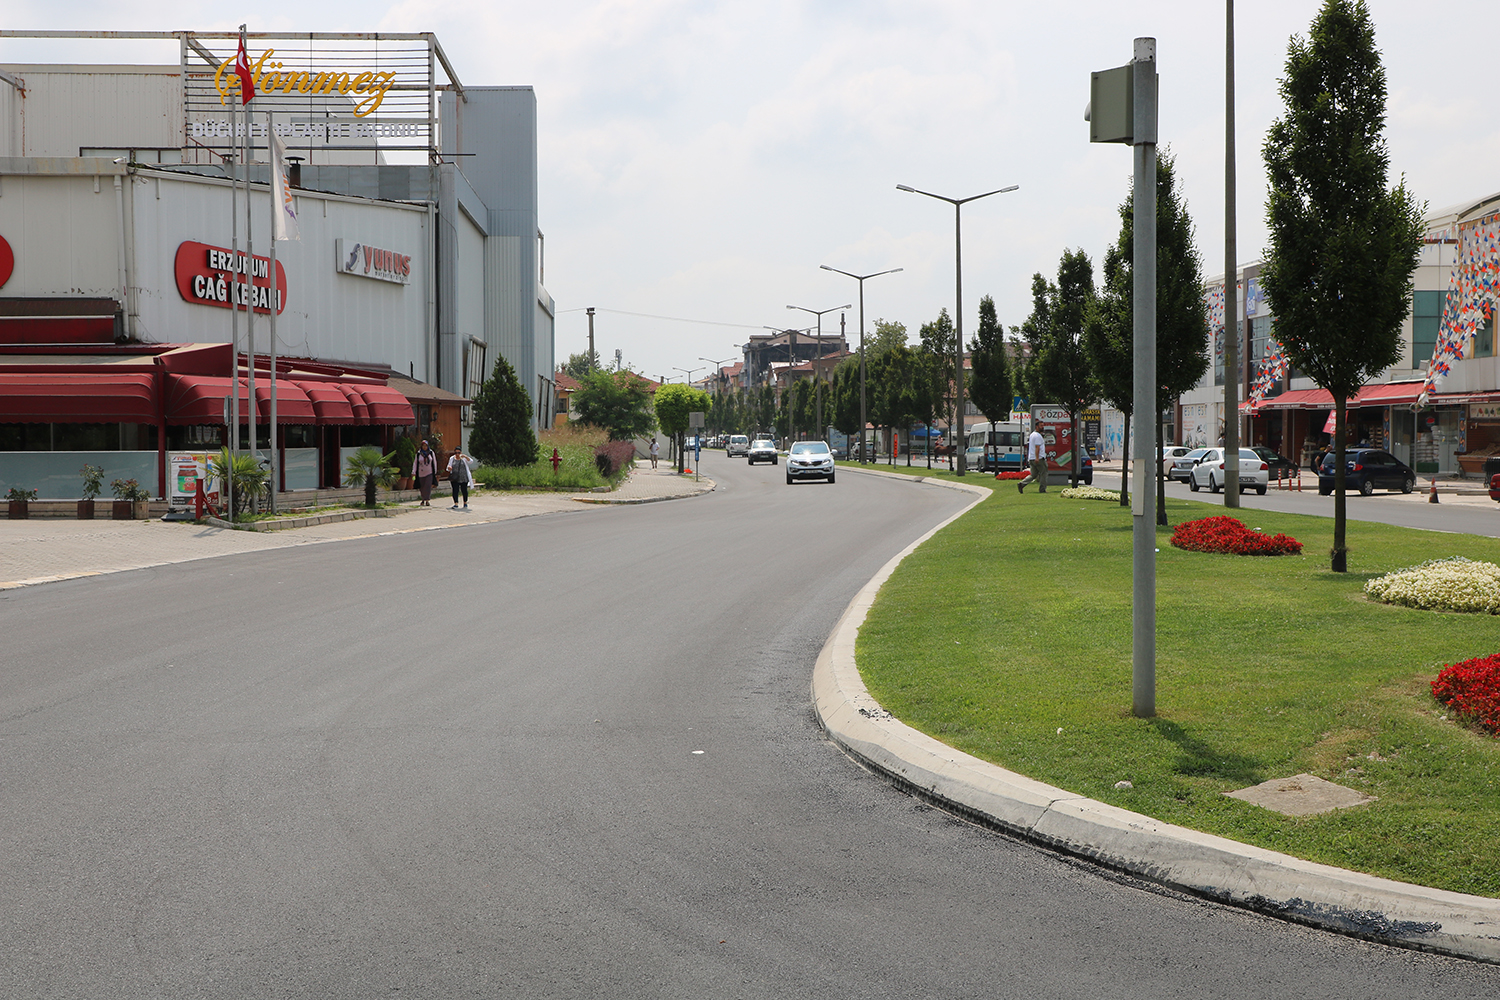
65	235
68	108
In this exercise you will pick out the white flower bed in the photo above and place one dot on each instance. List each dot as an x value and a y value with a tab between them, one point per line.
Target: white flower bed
1090	493
1456	584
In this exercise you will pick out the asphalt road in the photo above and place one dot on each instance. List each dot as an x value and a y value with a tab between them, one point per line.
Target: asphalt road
562	756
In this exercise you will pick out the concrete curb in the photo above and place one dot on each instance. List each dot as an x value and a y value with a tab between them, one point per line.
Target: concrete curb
287	523
1216	868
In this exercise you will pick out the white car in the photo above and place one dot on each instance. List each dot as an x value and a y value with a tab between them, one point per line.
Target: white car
1169	454
739	445
1254	472
761	450
809	460
1179	467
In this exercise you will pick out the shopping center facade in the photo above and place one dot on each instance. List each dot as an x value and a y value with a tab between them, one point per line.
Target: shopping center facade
418	260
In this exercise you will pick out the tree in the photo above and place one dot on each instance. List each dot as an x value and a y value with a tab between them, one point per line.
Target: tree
843	398
1343	246
619	402
989	384
888	334
502	433
939	340
579	365
1059	369
673	404
1181	316
367	467
804	412
765	407
931	386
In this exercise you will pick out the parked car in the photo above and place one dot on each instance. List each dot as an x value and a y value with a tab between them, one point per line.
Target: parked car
1254	473
1183	464
1367	469
738	446
1170	454
1280	466
761	450
809	460
1495	486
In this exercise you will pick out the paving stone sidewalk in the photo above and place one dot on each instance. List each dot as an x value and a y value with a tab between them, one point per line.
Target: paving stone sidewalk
45	550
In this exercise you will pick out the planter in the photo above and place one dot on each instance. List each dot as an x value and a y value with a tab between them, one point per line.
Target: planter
404	483
1472	465
19	510
85	510
122	510
140	510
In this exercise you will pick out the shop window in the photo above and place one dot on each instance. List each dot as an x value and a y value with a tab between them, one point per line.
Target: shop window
1484	338
299	436
1426	316
195	437
85	437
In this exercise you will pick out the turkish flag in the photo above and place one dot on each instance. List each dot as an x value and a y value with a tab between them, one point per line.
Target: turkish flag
242	70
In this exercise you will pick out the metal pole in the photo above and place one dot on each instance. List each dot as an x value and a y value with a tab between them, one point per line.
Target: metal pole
590	312
249	292
862	417
232	432
1231	286
275	304
1143	533
960	454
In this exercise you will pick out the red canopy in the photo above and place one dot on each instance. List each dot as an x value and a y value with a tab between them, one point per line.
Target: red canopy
386	405
328	402
199	399
116	398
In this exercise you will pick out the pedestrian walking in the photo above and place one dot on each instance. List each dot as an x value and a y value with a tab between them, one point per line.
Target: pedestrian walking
458	478
425	466
1036	455
655	452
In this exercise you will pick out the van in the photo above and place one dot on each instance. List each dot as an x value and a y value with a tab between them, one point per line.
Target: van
738	446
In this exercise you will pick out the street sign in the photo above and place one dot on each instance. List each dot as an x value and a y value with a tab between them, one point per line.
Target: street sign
695	418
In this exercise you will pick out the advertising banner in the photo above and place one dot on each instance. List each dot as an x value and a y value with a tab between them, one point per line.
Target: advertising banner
1056	428
184	469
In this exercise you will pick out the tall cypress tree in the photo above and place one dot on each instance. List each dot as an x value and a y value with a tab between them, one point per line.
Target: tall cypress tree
502	432
989	385
1059	371
1343	245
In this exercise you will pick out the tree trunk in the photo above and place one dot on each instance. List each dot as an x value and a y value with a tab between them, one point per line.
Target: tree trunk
1125	475
369	491
1340	554
1074	464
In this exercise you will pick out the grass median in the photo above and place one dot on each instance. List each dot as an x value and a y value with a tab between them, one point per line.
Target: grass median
1008	636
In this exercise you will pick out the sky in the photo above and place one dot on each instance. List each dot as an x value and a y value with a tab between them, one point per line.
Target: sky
698	161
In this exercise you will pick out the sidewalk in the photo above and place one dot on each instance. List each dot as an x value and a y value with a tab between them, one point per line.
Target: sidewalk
37	551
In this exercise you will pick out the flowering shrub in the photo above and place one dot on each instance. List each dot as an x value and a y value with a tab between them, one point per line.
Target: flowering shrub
1015	474
1226	534
1471	689
1090	493
613	456
1455	584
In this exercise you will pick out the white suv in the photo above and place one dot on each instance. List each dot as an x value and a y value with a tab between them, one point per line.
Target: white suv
809	460
739	445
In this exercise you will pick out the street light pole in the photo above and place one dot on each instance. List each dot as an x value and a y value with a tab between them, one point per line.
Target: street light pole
718	375
688	378
958	310
861	279
818	361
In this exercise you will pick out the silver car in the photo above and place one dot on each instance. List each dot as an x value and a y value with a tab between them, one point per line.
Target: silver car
1180	466
761	450
1255	474
809	460
738	446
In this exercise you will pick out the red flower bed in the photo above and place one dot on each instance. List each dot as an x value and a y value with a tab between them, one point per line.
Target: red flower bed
1012	475
1471	689
1226	534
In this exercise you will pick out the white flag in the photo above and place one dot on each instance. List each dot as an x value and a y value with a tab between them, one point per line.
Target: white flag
281	193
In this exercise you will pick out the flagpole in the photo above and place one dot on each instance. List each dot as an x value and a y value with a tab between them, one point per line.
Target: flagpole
233	431
249	288
275	305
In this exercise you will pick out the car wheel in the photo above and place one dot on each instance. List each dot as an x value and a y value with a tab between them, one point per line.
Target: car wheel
1324	491
1261	490
789	479
1213	487
1407	484
830	478
1192	484
1367	487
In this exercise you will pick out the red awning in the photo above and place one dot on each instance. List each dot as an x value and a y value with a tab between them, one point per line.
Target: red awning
199	399
1387	394
356	403
387	406
328	402
77	399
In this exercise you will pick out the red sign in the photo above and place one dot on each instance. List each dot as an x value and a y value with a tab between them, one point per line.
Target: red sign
213	276
7	261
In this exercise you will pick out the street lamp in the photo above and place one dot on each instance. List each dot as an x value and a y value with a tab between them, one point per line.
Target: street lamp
958	310
718	379
861	279
688	378
791	354
818	361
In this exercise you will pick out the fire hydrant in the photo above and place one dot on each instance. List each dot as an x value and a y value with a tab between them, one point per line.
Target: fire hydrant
556	461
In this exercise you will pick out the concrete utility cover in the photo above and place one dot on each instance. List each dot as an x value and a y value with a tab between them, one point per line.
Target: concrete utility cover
1301	795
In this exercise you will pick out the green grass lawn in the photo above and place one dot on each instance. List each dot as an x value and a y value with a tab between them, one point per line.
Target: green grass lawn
1007	635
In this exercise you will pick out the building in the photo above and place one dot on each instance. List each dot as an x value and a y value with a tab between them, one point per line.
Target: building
420	253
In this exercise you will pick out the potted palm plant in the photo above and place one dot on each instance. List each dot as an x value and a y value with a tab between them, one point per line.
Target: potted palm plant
367	467
132	502
19	500
406	453
93	482
249	478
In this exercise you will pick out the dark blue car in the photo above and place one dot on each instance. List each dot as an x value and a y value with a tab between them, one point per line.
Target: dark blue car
1366	470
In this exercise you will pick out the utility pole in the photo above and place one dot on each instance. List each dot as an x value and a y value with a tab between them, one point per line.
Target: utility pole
590	311
1231	286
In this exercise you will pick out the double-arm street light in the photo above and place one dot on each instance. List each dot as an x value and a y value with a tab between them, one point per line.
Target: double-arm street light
958	312
718	368
861	279
791	354
818	361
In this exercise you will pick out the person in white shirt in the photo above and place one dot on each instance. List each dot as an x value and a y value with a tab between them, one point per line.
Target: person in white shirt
1036	455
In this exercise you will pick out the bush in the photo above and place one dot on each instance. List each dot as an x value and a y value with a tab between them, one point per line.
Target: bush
1455	584
1228	535
1471	690
17	495
1017	474
129	489
1090	493
613	457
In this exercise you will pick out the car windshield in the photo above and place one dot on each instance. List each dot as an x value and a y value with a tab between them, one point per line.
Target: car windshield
809	448
761	444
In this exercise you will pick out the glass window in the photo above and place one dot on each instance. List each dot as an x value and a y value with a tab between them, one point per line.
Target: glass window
1426	315
1484	339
